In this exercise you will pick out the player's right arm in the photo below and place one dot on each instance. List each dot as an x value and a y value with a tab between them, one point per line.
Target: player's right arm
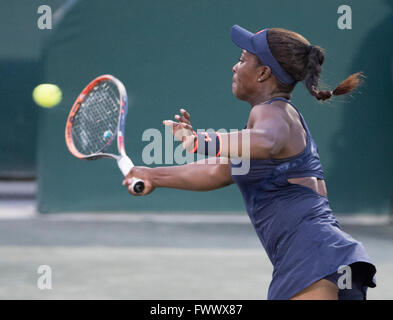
196	176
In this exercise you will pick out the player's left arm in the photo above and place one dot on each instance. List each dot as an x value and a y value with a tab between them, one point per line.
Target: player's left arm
265	139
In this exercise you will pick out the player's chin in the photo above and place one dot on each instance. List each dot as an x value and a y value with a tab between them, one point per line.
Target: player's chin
234	89
237	92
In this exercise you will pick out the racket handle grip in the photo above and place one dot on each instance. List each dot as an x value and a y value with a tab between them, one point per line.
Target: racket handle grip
125	164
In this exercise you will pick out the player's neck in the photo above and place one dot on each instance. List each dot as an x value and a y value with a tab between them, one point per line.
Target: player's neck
263	98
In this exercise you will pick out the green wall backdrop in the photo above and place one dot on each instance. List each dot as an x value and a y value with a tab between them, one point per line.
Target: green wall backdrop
178	53
21	69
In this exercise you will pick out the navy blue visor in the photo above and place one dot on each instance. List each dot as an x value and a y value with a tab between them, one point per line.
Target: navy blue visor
257	44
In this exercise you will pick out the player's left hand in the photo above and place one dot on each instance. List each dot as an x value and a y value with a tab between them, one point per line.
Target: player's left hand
182	130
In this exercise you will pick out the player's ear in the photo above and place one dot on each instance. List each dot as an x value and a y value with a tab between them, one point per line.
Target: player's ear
263	73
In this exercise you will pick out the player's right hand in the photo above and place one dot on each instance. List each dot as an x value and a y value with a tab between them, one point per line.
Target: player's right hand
138	173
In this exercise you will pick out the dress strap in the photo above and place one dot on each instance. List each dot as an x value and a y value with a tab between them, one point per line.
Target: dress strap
290	102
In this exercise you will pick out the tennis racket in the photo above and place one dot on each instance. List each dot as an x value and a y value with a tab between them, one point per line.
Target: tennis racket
96	119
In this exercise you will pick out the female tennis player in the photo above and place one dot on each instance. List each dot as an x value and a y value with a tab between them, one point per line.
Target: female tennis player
284	190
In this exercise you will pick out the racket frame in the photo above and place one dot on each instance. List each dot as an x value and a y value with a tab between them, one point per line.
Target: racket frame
124	162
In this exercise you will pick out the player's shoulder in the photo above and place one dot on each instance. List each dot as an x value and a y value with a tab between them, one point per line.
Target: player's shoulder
262	112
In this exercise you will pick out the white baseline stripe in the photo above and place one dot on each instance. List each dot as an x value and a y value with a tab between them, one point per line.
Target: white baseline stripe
190	218
10	210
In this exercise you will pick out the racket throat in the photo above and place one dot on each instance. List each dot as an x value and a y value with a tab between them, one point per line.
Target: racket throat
125	164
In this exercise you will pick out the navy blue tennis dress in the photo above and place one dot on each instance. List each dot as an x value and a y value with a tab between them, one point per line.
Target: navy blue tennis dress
296	226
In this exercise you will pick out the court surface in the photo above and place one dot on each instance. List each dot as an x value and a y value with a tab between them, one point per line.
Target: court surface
151	256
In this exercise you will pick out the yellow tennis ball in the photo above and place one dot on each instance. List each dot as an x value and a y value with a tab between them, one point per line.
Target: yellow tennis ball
47	95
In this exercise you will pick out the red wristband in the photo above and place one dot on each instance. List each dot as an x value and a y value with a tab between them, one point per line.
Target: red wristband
219	144
195	143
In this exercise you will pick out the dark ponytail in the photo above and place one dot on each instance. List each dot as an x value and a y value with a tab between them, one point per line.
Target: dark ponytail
313	71
304	63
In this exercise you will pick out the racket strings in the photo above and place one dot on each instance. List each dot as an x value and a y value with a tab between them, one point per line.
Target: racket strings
95	124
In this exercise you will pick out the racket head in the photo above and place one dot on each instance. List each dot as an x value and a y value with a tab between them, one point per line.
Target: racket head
96	118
